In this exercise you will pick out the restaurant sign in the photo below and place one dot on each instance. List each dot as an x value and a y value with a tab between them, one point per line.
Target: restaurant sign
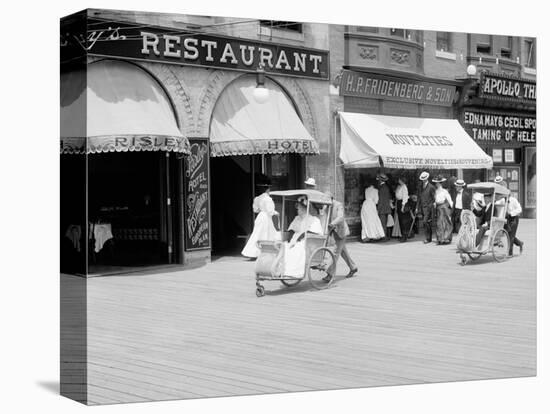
507	88
375	86
197	203
184	47
495	128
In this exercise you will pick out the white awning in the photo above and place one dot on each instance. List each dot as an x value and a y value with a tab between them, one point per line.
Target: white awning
241	126
412	143
116	106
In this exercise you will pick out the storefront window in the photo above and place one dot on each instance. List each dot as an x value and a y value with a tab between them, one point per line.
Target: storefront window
530	177
357	179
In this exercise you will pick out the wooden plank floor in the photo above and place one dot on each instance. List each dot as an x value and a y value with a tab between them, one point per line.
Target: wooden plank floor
413	315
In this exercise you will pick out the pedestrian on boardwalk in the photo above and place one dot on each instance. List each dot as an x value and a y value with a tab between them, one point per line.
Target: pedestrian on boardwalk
384	202
263	224
402	208
462	200
425	206
371	227
310	183
443	206
339	230
512	219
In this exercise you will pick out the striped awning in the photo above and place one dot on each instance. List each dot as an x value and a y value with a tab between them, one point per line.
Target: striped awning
115	106
242	126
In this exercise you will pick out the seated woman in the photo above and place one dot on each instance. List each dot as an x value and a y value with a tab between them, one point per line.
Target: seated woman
295	249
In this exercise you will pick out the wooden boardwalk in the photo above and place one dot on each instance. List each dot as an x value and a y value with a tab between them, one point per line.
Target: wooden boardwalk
412	315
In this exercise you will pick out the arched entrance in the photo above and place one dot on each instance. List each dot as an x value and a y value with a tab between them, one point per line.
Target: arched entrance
247	140
130	138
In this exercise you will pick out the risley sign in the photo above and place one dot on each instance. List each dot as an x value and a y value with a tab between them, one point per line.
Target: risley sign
194	48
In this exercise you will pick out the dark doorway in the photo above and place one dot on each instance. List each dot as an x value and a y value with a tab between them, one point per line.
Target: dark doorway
233	190
127	192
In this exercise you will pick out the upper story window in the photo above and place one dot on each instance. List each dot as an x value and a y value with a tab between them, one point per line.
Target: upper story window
367	29
403	33
282	25
483	44
443	41
414	35
506	49
531	56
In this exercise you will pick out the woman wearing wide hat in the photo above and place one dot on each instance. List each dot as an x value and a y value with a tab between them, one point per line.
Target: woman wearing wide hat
263	225
443	206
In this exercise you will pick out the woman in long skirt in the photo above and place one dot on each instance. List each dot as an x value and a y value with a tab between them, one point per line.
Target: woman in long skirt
371	226
263	225
444	206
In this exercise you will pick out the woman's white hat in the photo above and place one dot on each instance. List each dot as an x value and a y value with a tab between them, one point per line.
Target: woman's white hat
310	181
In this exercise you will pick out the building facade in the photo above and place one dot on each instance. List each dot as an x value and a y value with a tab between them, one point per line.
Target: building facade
403	59
171	179
187	205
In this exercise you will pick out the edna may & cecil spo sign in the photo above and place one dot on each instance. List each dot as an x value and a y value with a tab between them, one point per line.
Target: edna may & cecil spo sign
183	47
496	128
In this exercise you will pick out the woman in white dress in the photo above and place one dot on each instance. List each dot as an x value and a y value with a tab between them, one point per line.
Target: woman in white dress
263	225
295	249
371	226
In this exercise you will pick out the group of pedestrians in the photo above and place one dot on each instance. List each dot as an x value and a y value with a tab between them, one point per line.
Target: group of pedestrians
437	209
381	211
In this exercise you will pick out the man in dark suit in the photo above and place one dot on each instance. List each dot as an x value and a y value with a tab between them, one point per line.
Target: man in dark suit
340	230
485	215
384	202
461	201
426	200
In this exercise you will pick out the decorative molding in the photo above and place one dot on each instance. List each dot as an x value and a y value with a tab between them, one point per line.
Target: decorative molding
216	83
178	93
400	57
303	103
368	52
391	40
419	61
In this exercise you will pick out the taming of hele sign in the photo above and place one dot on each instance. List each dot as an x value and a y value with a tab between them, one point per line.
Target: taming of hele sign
185	48
371	85
490	128
504	87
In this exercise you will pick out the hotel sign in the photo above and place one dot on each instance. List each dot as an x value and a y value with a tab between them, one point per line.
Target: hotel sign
507	88
375	86
496	128
184	47
197	202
